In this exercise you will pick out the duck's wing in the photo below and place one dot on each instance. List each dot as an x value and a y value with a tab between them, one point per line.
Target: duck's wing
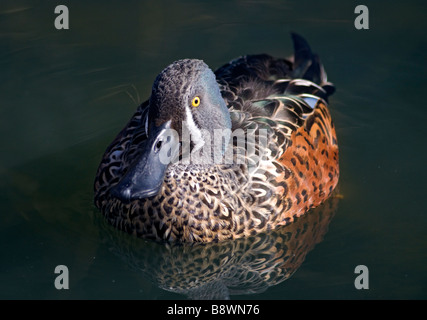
287	98
278	93
304	64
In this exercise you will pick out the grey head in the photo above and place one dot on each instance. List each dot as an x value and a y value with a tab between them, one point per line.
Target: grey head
186	112
187	94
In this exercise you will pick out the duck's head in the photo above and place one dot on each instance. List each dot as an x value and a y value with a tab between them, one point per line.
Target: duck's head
185	103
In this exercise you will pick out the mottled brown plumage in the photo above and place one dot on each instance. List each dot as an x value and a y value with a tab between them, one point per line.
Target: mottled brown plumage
218	270
290	166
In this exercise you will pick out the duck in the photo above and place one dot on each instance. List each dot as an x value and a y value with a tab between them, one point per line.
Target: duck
220	155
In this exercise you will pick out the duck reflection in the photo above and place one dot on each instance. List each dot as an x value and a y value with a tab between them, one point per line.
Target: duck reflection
219	270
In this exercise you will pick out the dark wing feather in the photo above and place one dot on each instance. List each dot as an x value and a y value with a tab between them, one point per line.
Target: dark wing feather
261	86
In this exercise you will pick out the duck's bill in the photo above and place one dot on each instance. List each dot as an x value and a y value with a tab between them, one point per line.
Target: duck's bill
145	177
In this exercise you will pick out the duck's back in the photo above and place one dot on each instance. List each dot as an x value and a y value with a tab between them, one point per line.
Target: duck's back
298	168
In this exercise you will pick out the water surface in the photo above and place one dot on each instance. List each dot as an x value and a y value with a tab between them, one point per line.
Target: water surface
64	95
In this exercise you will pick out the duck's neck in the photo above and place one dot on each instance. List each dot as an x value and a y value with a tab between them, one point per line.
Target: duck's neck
205	147
214	147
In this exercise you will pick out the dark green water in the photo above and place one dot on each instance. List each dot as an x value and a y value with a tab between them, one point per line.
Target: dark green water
64	94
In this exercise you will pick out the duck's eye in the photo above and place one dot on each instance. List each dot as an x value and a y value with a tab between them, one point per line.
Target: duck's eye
195	102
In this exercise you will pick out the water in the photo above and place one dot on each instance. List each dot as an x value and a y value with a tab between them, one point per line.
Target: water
66	93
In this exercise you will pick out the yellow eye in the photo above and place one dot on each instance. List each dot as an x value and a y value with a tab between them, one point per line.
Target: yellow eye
195	102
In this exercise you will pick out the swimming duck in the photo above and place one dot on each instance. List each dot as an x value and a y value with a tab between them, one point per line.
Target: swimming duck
221	155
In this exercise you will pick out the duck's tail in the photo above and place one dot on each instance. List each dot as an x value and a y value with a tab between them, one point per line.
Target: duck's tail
307	65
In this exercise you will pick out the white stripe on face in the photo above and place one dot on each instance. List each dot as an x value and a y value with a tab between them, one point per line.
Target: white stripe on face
196	133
